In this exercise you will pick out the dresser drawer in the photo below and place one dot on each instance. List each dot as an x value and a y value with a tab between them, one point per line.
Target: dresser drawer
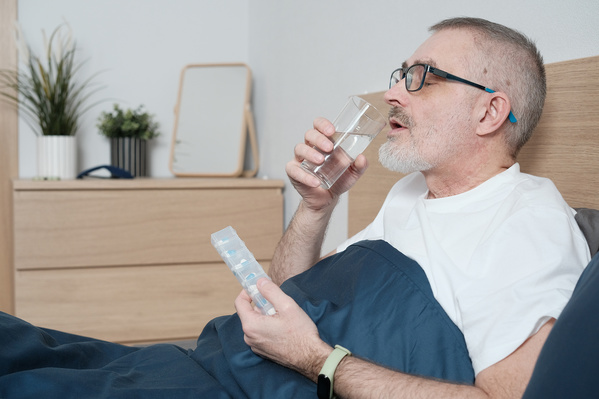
132	227
128	304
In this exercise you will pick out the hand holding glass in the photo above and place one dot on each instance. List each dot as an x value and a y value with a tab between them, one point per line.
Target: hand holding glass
355	127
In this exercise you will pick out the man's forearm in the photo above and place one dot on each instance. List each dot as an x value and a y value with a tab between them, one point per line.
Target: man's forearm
356	378
300	247
361	379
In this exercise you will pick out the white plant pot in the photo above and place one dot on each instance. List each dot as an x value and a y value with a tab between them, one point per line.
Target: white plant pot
56	157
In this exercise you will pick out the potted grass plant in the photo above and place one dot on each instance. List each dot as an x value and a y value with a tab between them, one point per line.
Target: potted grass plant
50	99
129	131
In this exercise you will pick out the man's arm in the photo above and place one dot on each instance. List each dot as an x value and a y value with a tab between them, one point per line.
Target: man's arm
356	378
299	249
291	339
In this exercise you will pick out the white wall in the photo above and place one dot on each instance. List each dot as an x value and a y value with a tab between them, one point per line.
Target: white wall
140	47
307	56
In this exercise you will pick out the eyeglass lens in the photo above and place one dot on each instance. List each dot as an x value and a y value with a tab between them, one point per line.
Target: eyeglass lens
414	76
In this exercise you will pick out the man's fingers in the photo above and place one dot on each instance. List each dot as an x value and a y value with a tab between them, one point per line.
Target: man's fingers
243	305
360	164
299	175
272	293
319	140
305	151
324	125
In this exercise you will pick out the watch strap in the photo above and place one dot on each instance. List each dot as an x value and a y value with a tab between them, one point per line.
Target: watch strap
327	373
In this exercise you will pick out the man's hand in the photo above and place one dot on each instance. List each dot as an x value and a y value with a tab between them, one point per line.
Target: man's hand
289	338
307	185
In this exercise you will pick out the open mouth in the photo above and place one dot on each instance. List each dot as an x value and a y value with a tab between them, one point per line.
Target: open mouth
395	124
398	119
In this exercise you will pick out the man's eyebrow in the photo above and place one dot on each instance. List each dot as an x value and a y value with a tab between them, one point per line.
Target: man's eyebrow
428	61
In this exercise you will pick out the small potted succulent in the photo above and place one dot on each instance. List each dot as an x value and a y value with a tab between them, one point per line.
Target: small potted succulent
129	131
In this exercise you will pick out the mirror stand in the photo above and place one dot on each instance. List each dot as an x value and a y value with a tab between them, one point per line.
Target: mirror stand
253	142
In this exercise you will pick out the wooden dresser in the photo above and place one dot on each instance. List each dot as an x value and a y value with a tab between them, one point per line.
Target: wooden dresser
131	260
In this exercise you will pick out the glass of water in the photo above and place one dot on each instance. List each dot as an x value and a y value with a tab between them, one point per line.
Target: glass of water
356	126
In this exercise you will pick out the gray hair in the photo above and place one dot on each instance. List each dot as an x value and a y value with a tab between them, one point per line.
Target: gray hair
510	62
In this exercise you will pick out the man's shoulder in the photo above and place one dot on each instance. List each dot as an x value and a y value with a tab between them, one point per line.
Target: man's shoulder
538	189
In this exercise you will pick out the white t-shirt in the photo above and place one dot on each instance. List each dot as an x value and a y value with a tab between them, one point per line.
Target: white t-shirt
501	259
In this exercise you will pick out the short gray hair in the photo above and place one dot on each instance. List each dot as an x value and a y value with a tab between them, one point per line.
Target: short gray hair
510	62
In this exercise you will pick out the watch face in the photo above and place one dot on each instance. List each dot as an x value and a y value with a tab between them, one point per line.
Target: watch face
323	389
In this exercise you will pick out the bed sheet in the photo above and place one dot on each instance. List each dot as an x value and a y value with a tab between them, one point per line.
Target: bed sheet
370	298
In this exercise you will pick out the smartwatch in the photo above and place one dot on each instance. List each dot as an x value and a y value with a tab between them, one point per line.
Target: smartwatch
324	388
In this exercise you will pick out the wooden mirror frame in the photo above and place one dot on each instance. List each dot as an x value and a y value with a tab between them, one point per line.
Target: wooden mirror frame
213	116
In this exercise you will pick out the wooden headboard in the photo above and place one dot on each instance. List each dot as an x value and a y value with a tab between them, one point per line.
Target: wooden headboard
564	147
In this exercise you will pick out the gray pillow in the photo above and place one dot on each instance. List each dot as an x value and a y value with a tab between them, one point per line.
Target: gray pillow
588	221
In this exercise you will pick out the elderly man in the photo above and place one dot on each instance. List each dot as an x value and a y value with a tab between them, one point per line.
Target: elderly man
500	248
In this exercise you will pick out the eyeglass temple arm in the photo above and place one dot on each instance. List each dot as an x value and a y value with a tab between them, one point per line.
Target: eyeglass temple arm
446	75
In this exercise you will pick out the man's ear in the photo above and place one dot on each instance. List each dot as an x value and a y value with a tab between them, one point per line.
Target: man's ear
494	113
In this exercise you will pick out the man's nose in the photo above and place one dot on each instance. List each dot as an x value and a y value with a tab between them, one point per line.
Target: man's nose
397	94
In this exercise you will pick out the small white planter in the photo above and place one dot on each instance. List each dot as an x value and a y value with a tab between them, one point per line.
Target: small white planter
56	157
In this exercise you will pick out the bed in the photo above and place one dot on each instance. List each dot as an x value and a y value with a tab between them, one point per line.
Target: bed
38	362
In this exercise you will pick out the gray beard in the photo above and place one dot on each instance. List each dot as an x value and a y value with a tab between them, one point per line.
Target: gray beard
402	160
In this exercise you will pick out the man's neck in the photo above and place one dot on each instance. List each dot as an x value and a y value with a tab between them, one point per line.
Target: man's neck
445	182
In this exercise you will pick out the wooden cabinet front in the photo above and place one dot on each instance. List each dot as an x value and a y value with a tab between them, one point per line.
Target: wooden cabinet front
131	261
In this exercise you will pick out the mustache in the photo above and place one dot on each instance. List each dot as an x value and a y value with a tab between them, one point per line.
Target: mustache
399	115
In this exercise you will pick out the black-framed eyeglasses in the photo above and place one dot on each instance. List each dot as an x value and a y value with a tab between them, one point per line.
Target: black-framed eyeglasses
415	76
